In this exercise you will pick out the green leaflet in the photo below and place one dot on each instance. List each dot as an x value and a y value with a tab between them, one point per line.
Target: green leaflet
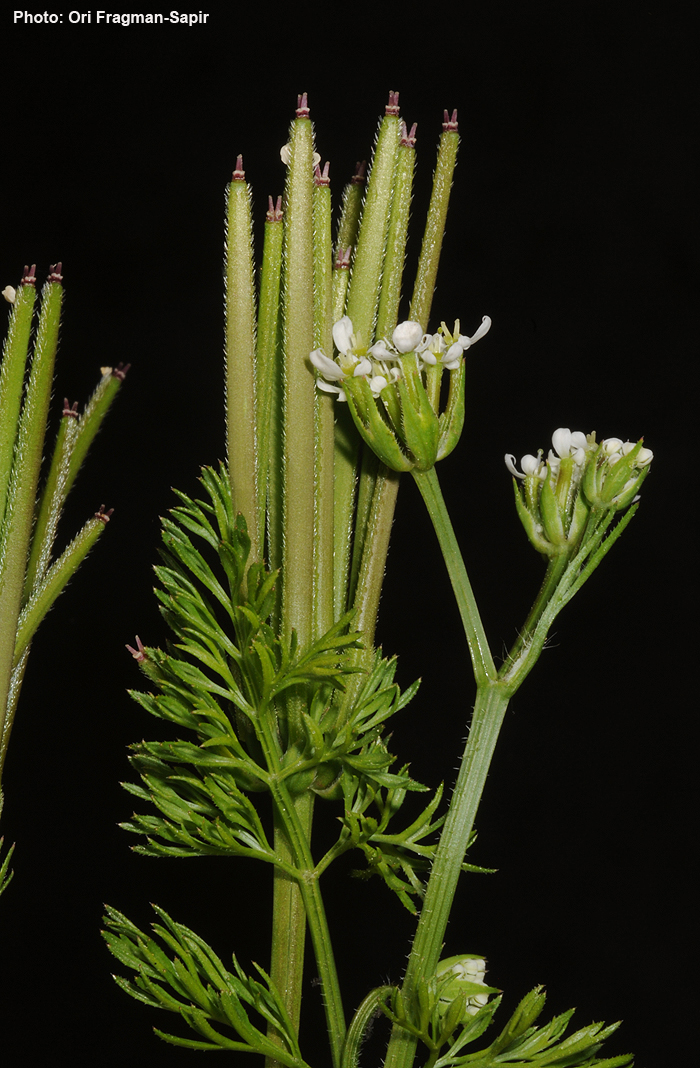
520	1043
189	979
227	677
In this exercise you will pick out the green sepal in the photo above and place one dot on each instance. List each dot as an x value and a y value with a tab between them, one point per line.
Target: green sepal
552	514
372	426
419	423
533	528
452	419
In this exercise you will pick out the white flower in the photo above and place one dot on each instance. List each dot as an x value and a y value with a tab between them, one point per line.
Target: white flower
347	364
452	358
567	443
10	294
431	347
532	466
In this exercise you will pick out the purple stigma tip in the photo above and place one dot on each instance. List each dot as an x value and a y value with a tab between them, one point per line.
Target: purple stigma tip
69	409
102	515
274	210
302	106
342	259
392	107
139	653
121	371
238	173
55	273
449	124
321	177
360	172
408	140
29	276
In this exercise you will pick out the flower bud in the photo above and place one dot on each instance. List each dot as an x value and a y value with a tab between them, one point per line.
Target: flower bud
407	337
463	975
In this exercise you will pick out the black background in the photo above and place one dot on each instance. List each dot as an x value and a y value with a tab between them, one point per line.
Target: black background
574	226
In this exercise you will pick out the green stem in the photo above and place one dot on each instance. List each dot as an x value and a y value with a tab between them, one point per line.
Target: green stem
491	704
288	813
552	576
289	918
482	661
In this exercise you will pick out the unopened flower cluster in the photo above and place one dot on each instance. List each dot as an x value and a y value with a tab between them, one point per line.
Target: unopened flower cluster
578	477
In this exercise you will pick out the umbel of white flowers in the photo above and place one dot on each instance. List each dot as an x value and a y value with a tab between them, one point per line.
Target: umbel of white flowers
578	477
401	374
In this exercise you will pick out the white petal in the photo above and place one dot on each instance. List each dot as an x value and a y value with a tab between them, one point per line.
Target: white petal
364	367
611	445
510	464
579	441
10	294
377	384
343	335
481	332
379	351
328	388
644	457
407	336
328	368
561	440
428	357
532	465
453	357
